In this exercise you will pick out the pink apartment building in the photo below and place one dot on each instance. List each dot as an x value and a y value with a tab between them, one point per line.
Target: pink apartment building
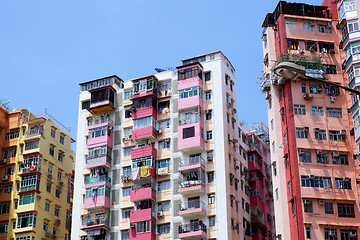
152	165
314	159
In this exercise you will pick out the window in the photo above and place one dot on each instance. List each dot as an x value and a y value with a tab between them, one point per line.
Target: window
346	210
208	115
347	234
314	89
311	46
56	212
125	234
31	145
164	144
61	140
52	133
303	88
164	228
27	199
212	221
315	181
343	183
308	232
334	112
57	193
128	113
291	45
291	25
334	91
45	226
227	118
164	206
320	134
308	206
329	69
126	192
309	26
51	150
208	135
26	220
322	158
48	187
125	213
55	231
272	124
47	206
210	177
337	136
4	209
330	233
12	135
8	189
144	122
188	132
347	6
164	124
127	151
211	198
299	109
9	170
209	155
143	226
190	92
353	26
289	186
128	95
59	175
9	153
324	28
29	182
61	156
163	163
208	95
302	133
341	160
162	186
304	156
329	208
317	111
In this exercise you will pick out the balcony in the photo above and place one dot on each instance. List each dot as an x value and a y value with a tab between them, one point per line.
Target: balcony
139	174
354	82
97	202
192	162
33	169
145	112
348	15
142	194
29	188
352	59
102	136
355	107
191	102
193	231
193	210
144	133
192	188
190	138
91	180
144	152
102	100
188	118
99	161
96	223
34	133
142	215
350	37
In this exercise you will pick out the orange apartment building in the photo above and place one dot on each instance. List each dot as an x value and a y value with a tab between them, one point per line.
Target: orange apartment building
312	143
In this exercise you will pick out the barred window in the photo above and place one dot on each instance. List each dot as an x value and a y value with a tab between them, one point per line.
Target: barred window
299	109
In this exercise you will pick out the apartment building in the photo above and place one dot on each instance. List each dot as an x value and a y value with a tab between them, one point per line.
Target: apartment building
37	169
152	165
313	152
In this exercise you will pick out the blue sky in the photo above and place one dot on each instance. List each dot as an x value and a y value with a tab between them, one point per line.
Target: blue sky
48	47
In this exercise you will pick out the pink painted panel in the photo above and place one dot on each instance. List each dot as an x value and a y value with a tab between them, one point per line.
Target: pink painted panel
100	201
146	112
98	184
187	189
145	94
191	234
191	167
140	194
190	82
191	142
98	164
140	215
142	236
253	165
256	201
99	125
143	132
100	141
144	152
195	210
190	102
191	66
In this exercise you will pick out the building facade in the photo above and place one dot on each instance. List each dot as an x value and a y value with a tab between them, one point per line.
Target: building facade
37	169
152	165
310	123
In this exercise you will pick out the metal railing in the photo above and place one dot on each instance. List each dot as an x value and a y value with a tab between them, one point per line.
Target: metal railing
102	158
29	188
193	205
91	180
192	227
153	191
98	221
192	183
192	161
193	118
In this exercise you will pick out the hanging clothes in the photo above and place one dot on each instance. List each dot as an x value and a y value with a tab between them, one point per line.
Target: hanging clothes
135	173
145	171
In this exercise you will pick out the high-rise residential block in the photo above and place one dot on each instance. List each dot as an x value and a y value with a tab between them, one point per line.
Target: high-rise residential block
37	169
315	175
165	157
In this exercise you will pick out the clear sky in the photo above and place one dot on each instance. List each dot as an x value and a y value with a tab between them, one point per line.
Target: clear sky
48	47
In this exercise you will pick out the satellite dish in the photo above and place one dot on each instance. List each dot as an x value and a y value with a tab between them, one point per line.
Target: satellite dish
159	70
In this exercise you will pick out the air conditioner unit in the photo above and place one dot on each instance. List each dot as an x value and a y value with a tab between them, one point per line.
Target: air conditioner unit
47	234
1	186
346	179
343	132
132	225
308	96
130	137
237	167
335	154
5	178
160	214
159	131
210	158
61	184
124	139
50	176
301	152
306	129
312	177
312	23
234	110
57	222
321	202
233	227
352	234
306	201
319	88
167	140
332	233
228	105
318	152
330	24
38	197
316	130
3	161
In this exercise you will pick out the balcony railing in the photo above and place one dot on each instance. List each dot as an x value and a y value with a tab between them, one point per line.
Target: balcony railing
193	205
29	188
98	221
192	183
34	131
193	118
98	179
153	191
192	227
102	158
192	161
